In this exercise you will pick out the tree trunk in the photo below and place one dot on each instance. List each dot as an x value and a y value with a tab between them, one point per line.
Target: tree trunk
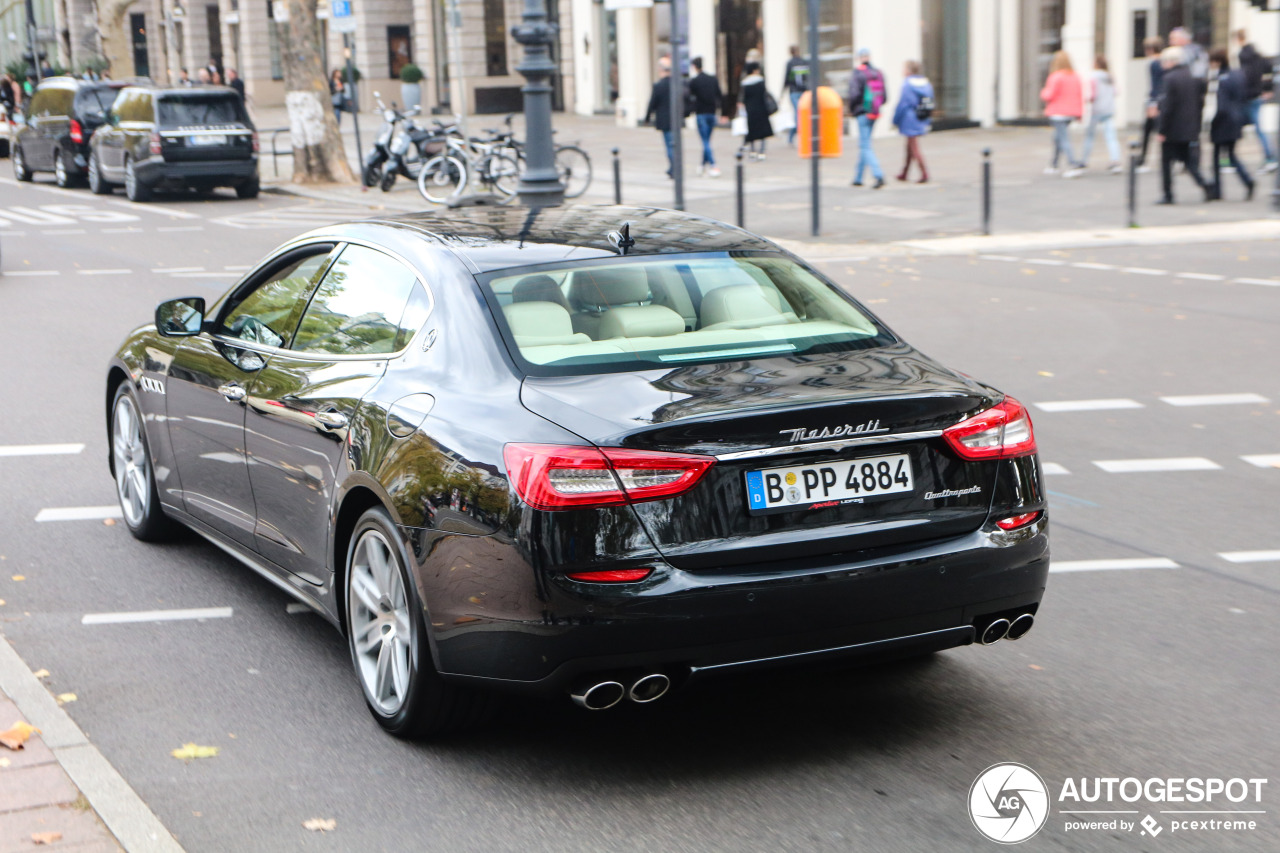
318	154
117	47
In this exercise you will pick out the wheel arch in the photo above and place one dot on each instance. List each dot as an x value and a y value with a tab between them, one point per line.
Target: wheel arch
116	376
358	500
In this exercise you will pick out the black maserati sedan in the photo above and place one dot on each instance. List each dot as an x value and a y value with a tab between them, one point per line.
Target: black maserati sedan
593	451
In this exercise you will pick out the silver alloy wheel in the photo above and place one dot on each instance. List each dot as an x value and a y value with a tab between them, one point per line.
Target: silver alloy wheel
133	469
378	617
95	179
59	170
130	179
19	163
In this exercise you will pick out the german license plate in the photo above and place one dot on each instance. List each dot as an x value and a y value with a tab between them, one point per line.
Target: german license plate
801	487
208	139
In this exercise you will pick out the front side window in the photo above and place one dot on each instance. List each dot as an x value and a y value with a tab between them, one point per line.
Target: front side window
268	313
633	315
363	306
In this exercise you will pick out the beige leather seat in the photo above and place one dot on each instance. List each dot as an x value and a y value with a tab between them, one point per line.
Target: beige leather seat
639	321
745	306
539	288
596	290
536	324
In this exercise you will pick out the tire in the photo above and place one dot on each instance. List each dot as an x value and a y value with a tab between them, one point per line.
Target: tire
371	174
131	465
574	167
135	189
387	181
387	635
249	189
61	176
97	184
442	178
503	173
20	170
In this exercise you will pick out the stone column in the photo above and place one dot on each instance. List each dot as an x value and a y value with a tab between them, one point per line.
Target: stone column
635	65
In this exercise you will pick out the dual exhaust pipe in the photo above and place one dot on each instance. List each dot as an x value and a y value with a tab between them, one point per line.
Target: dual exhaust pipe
1003	629
600	695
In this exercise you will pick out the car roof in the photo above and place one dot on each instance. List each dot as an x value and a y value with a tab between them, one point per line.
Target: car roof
501	237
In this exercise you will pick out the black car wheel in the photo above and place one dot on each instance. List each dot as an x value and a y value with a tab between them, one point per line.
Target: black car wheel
388	640
97	184
131	461
20	170
134	188
60	173
248	189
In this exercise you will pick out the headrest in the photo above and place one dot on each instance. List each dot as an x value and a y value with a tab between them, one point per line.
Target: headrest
741	303
639	321
604	287
540	324
538	288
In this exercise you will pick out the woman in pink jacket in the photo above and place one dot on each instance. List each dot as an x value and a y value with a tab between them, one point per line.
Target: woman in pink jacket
1063	103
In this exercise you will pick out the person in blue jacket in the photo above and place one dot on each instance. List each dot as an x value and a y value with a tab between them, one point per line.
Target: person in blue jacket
913	116
1229	122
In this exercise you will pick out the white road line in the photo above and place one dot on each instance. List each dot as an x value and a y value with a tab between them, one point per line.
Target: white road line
1142	466
172	213
104	272
1265	282
1143	271
170	228
163	270
121	230
156	616
1046	262
1215	399
30	272
1087	405
60	231
1265	460
1053	468
78	513
1112	565
1006	258
1250	556
1201	276
1085	265
39	449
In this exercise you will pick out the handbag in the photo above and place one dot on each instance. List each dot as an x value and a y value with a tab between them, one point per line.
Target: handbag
738	126
770	105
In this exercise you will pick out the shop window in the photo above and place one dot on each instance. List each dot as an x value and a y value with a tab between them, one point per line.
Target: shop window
399	49
495	38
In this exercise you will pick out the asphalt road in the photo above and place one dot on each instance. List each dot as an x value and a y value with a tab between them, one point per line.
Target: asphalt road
1160	672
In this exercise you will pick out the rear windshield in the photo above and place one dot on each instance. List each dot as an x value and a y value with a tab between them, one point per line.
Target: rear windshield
183	110
95	102
639	314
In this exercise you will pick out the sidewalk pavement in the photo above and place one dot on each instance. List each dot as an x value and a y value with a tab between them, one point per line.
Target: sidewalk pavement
777	189
59	784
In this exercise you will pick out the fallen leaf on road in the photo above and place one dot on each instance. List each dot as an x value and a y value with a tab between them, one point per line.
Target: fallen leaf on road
17	735
1045	373
4	762
317	824
46	837
64	698
1033	666
19	577
41	673
190	750
1	602
109	522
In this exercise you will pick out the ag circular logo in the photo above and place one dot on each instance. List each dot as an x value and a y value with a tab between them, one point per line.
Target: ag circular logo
1008	803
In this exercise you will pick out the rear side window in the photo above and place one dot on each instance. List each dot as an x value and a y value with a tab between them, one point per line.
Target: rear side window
363	306
133	105
186	110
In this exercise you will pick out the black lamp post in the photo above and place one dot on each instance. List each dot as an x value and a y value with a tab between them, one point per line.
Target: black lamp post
540	184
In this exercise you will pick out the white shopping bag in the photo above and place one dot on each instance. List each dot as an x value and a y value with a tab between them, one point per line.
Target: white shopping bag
738	127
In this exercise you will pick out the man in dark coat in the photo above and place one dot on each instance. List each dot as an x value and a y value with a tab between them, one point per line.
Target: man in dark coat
1228	123
1254	67
704	92
1181	109
660	110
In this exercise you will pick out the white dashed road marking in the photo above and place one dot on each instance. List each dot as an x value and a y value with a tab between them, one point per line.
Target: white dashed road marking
79	513
1084	265
1113	565
1201	276
104	272
1265	460
1052	468
1141	466
156	616
1265	282
1143	271
1214	399
30	272
39	449
1046	262
1250	556
1087	405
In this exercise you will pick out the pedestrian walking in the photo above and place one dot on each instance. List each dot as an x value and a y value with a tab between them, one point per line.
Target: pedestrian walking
867	88
1253	68
1063	103
234	81
795	83
758	105
1193	55
704	90
913	116
1151	47
337	95
1181	108
1102	113
659	111
1228	122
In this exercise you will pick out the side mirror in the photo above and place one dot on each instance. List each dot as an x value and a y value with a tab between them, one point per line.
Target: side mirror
180	318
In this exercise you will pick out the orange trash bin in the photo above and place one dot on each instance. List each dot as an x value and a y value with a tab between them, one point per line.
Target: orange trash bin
830	123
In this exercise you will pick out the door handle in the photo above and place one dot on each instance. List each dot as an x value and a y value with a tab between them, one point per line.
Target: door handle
331	420
233	393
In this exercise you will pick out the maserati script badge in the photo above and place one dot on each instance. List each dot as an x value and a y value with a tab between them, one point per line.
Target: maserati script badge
802	434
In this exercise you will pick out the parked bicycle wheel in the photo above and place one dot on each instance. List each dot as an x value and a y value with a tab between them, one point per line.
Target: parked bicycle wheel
502	173
574	167
442	178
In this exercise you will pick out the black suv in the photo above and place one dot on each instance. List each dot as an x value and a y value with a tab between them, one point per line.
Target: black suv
199	137
60	118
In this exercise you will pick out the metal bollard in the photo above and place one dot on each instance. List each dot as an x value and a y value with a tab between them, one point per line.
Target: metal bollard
986	191
1134	148
742	211
617	178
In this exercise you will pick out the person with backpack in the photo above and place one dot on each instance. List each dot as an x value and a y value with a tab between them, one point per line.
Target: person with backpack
866	97
1228	123
913	116
1253	68
795	82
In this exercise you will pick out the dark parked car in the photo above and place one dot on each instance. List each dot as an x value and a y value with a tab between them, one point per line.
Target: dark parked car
198	137
545	451
61	116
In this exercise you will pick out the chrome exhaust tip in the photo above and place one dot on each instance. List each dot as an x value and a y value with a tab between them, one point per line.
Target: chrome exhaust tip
1020	626
598	696
995	632
649	688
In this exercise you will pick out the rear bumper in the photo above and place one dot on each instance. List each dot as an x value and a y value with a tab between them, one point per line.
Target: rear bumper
158	173
694	626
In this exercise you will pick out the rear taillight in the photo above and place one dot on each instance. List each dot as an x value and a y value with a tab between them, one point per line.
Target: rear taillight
553	477
1001	432
155	143
1013	522
77	132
